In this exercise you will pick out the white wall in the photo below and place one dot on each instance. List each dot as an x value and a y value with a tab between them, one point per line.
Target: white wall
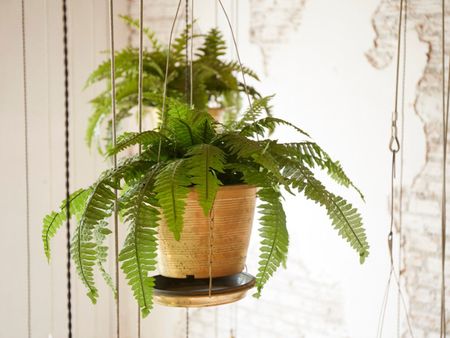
323	83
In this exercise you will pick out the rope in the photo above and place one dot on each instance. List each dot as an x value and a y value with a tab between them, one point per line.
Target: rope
27	176
394	147
140	95
114	140
67	167
191	88
163	108
186	70
445	111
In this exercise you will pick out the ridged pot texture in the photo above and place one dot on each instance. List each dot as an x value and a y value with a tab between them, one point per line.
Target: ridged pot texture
227	231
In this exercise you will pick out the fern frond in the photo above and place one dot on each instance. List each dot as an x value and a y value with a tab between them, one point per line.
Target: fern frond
313	155
267	124
128	139
243	147
53	221
100	233
138	255
206	160
345	218
151	36
259	106
274	234
172	187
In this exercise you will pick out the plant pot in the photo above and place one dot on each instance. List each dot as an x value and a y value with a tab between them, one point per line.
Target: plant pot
216	113
233	212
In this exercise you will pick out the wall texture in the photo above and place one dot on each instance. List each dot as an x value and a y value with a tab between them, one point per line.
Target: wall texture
422	231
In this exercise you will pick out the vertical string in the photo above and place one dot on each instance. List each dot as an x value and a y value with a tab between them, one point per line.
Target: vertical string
402	147
394	147
445	110
27	178
186	70
140	95
237	54
67	167
166	75
114	141
191	57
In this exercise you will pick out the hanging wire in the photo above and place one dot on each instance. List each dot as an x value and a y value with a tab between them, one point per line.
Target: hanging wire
237	54
114	141
394	147
166	75
445	113
27	176
402	153
191	57
67	168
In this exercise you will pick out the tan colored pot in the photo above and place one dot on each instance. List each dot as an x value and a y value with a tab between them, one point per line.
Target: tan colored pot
216	113
234	208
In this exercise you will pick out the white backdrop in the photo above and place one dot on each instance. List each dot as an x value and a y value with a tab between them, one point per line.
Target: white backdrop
323	83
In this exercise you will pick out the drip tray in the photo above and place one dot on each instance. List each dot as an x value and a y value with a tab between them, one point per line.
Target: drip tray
191	292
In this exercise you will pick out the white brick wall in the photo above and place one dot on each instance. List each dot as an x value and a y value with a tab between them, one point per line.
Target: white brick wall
422	208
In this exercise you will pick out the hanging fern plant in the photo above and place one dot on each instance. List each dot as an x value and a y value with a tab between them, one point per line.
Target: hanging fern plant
193	151
216	83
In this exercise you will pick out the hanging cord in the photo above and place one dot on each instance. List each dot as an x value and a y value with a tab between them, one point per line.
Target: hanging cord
114	140
402	153
67	167
140	96
191	65
186	69
445	111
27	177
166	75
237	55
394	147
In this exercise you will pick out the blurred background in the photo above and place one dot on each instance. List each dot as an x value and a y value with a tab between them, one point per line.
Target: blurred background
331	65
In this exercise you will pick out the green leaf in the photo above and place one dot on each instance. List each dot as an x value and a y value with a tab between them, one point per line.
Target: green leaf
205	161
267	124
172	187
100	233
53	221
128	139
345	218
274	234
138	255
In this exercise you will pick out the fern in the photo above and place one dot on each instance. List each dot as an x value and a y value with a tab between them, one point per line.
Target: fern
274	234
145	138
138	255
172	189
312	154
151	36
100	233
53	221
206	160
253	113
267	124
344	217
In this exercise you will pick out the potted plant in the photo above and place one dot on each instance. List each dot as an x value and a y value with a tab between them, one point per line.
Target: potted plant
194	160
216	86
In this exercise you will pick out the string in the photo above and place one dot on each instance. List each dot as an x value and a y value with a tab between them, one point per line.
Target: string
191	77
237	54
402	146
27	177
140	95
394	147
166	75
67	167
186	70
445	111
114	141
